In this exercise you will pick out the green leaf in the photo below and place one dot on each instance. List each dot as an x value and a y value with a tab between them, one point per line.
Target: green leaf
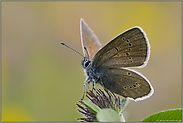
91	106
124	102
173	115
108	115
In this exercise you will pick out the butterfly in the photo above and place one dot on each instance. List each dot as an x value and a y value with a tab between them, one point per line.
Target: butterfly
110	65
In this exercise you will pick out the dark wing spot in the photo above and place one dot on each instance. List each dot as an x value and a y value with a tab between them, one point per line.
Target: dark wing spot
129	73
129	44
130	58
127	40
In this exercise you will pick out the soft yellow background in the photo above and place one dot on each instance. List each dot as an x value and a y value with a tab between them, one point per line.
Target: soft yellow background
42	80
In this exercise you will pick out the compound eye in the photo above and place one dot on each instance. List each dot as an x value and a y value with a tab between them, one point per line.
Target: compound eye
87	63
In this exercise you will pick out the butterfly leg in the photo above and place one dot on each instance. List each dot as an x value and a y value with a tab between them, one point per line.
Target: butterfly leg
88	87
94	84
84	86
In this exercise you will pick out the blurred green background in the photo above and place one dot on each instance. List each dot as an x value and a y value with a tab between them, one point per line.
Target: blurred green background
42	80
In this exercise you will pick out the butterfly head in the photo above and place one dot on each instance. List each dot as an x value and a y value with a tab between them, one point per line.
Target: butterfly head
86	63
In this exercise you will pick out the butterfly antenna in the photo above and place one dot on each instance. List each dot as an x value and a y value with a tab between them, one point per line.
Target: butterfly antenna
72	49
86	52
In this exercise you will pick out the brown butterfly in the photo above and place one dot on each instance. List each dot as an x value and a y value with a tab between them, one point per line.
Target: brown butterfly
110	65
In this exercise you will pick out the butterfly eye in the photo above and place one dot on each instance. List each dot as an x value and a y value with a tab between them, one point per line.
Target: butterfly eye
86	63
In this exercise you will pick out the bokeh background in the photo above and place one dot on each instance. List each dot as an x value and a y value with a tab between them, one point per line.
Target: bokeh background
42	80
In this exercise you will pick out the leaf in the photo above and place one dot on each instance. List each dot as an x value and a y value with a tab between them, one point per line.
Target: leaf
173	115
108	115
91	106
124	102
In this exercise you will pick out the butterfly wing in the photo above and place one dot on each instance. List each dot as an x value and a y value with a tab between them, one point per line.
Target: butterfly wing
129	49
125	82
88	40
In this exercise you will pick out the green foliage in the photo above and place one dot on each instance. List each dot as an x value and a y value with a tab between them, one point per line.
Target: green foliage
125	102
103	115
108	115
174	115
92	107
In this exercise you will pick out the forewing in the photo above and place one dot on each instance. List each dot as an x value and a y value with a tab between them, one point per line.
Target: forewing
88	40
125	82
129	49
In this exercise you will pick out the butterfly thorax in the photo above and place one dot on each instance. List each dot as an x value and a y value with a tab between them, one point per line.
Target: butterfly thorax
91	72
